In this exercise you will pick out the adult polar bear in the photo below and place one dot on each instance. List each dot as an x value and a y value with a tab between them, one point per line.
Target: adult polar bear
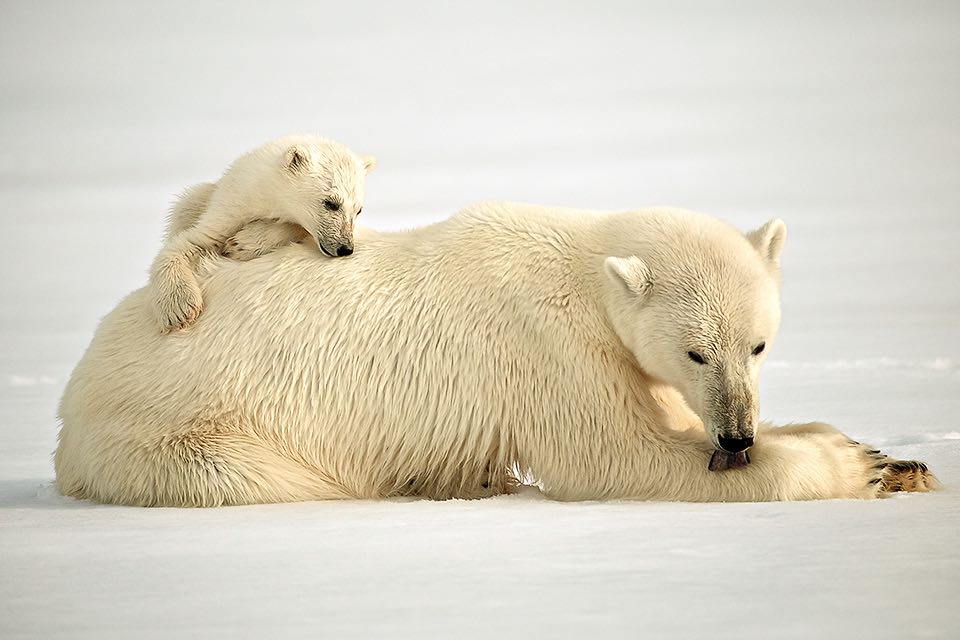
434	362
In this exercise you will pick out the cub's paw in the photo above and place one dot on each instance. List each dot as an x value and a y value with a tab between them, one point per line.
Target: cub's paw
261	237
903	475
178	308
235	249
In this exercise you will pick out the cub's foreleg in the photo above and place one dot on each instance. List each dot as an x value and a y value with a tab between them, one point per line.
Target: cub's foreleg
260	237
178	300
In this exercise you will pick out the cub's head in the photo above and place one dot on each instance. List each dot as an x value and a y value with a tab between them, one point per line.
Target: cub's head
322	191
700	310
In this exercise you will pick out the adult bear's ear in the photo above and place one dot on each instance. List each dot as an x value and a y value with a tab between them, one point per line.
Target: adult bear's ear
369	164
632	273
768	240
297	159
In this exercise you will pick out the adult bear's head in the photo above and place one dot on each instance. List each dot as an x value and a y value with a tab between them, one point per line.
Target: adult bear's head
698	304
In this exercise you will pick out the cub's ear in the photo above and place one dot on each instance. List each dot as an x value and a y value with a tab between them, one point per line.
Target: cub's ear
632	273
297	159
369	163
768	240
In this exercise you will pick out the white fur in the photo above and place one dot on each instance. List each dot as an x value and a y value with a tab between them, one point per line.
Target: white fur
285	183
441	361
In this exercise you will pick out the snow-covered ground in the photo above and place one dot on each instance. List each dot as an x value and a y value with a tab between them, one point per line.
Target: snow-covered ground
842	119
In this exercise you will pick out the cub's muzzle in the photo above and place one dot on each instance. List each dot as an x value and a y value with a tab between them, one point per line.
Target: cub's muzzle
336	249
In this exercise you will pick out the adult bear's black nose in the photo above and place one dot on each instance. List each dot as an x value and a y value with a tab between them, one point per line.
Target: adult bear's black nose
735	445
344	250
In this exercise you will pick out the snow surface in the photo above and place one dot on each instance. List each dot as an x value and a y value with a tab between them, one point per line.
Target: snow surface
841	118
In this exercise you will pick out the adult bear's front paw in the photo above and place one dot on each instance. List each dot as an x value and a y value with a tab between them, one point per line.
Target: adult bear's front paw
904	475
818	461
887	475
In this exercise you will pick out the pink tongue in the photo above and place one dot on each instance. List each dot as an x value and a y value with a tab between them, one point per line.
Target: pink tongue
722	460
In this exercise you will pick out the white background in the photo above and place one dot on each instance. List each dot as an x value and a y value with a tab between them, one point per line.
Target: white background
841	118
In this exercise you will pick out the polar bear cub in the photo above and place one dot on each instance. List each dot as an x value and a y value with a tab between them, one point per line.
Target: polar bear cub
293	188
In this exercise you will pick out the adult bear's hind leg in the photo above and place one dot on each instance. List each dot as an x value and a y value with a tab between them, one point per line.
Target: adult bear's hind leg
213	467
208	466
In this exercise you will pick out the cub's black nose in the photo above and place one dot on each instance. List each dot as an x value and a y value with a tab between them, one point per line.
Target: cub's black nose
344	250
735	445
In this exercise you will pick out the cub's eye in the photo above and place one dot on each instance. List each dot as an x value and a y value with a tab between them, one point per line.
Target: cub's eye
757	350
696	357
359	211
331	205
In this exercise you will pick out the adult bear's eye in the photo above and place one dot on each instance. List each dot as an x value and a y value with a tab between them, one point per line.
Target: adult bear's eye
696	357
331	205
759	348
359	211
